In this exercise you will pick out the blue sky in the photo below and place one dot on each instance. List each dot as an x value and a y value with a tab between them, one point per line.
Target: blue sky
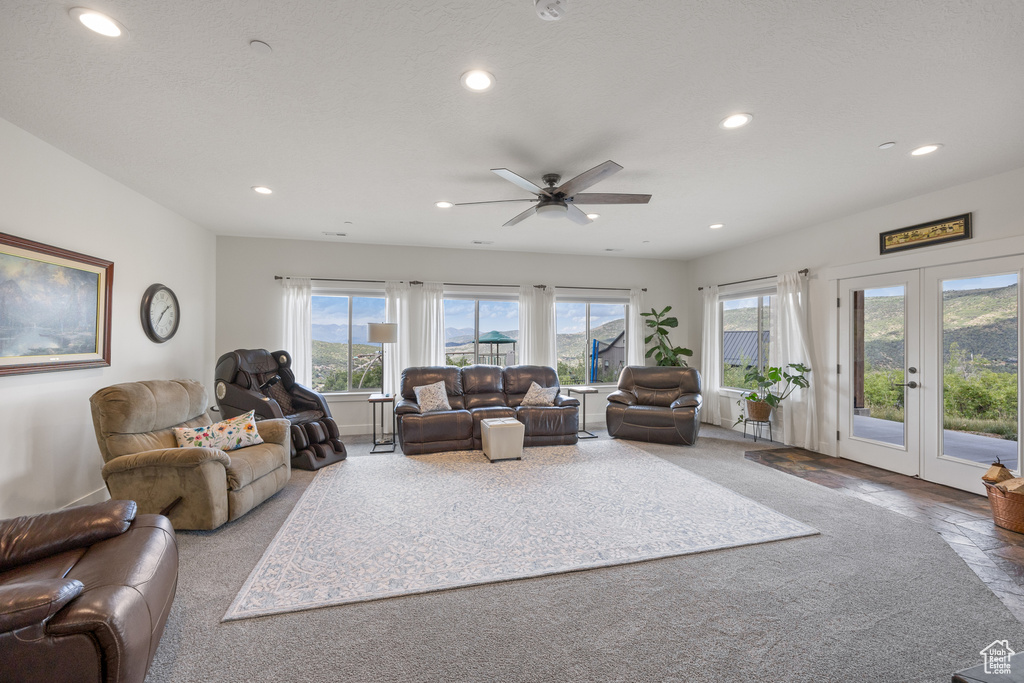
494	315
333	310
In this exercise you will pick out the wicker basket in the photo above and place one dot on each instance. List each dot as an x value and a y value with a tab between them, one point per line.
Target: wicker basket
1007	508
758	411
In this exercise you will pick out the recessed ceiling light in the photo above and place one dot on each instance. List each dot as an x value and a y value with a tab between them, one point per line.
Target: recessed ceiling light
477	80
482	242
716	226
336	234
260	48
98	22
613	250
593	216
736	120
925	149
262	190
887	145
444	205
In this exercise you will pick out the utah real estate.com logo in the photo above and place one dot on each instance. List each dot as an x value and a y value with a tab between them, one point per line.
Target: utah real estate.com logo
997	657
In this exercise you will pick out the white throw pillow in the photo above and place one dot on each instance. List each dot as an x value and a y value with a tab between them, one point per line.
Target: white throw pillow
539	396
432	397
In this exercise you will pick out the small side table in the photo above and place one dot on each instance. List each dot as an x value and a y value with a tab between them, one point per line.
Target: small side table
757	428
378	444
583	391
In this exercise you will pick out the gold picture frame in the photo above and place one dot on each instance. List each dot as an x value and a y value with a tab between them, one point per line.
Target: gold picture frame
943	230
54	308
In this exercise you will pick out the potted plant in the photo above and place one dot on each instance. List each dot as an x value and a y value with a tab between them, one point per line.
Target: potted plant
772	387
664	353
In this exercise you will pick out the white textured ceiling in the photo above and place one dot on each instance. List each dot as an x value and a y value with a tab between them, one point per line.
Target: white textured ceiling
358	121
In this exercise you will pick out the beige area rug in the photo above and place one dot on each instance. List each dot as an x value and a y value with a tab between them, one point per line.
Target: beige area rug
384	526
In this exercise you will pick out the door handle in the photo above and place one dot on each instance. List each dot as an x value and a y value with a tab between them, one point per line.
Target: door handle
910	385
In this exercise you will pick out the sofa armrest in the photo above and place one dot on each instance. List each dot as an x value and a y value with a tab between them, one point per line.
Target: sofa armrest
623	397
166	457
34	602
687	401
407	407
566	401
276	431
243	400
26	539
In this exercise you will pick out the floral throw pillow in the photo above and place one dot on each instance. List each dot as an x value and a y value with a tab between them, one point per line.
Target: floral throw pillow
537	395
237	432
432	397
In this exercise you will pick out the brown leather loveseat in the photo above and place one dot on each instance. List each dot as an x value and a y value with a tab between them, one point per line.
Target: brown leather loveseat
84	593
478	392
659	404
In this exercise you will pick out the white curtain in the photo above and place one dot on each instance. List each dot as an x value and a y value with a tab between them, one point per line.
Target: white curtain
791	344
636	331
298	326
419	312
711	357
537	326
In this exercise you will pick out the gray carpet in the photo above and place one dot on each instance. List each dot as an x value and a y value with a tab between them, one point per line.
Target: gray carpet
876	597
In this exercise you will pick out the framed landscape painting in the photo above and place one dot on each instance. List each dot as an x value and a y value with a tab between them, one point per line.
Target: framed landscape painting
926	234
54	308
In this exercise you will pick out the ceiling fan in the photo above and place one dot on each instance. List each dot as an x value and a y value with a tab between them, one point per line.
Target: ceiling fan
561	201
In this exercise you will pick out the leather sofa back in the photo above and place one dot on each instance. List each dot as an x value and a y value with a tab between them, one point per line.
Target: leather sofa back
420	376
518	379
483	385
138	416
658	386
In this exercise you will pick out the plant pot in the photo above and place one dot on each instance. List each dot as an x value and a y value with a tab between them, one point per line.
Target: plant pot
759	411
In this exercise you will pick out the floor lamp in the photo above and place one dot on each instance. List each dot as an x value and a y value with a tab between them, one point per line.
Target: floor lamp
382	333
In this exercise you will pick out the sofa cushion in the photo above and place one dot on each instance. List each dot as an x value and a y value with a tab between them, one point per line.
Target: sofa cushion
432	398
228	435
483	386
518	379
249	464
539	396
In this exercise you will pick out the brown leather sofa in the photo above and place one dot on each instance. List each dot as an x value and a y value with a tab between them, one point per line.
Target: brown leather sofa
255	379
84	593
658	404
478	392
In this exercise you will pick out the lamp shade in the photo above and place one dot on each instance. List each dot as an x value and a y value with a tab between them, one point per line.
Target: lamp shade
382	333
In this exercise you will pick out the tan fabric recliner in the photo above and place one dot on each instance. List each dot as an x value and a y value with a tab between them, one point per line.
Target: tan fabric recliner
134	422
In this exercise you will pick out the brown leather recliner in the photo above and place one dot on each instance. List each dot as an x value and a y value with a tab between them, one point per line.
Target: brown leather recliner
84	593
479	392
658	404
255	379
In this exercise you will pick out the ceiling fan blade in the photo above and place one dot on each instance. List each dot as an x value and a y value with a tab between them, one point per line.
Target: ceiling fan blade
520	181
521	217
576	215
610	198
588	178
496	201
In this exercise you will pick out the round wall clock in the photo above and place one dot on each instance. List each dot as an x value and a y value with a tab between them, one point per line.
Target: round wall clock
160	313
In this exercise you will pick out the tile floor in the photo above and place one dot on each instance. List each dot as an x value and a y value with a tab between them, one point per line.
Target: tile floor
963	519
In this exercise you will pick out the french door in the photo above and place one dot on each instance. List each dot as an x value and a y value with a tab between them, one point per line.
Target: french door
879	376
929	383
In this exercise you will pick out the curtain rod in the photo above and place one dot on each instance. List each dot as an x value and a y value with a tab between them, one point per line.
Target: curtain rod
754	279
452	284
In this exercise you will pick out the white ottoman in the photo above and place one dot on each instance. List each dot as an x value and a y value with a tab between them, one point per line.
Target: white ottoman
503	438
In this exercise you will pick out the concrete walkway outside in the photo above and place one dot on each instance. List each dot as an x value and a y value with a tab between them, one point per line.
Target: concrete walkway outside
980	449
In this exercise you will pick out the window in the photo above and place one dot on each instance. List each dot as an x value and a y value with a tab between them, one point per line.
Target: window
591	341
481	331
343	360
746	336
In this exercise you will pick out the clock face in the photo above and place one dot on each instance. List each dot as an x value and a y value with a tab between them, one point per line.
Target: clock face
160	313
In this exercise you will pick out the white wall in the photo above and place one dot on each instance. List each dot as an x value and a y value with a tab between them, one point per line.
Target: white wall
848	247
250	301
49	457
